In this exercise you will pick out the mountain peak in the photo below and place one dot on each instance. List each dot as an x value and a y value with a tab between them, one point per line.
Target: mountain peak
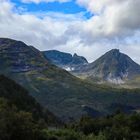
20	57
114	52
113	66
75	55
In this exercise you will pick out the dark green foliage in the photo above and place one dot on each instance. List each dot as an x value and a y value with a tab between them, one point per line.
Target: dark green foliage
115	127
19	125
61	134
118	126
16	125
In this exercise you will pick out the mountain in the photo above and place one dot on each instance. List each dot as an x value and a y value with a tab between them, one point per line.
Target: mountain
65	60
113	66
18	57
63	94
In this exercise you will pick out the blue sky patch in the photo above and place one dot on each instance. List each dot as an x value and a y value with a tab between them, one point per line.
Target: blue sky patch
66	8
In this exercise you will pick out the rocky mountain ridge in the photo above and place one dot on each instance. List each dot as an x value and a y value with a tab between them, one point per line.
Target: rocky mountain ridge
64	60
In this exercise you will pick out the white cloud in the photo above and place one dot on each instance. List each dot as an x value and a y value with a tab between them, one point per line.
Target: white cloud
38	1
116	24
44	33
113	18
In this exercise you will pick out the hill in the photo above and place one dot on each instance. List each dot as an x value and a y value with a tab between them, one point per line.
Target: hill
62	93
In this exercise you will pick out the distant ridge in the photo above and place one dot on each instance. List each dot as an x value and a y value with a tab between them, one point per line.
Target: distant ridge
65	60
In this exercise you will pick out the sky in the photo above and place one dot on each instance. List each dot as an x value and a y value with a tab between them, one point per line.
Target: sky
86	27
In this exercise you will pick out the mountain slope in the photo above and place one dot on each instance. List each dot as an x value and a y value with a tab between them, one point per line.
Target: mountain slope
20	58
65	95
18	96
65	60
114	67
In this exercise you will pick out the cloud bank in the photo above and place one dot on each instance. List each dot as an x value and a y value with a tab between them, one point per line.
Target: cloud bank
115	24
114	18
